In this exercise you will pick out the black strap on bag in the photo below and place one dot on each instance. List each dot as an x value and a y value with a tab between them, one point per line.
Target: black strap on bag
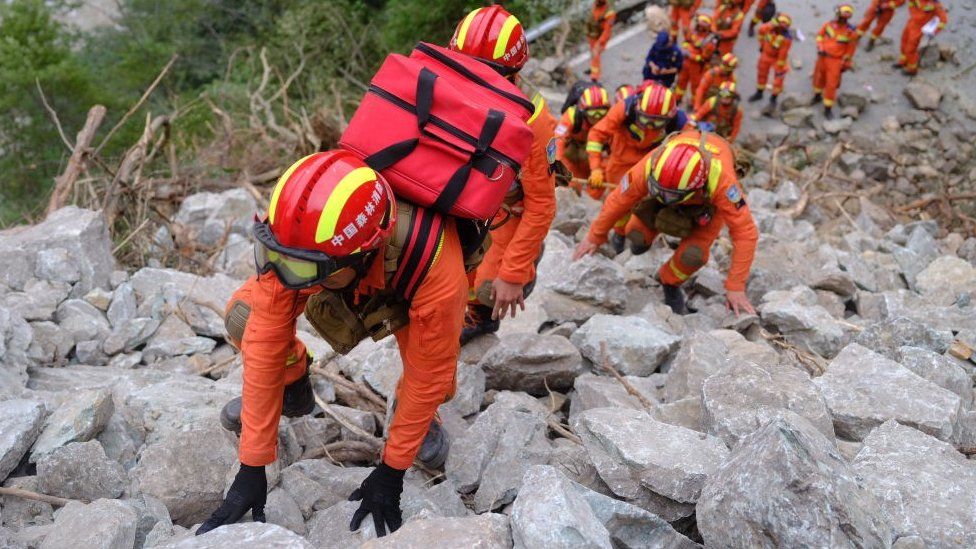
383	159
445	201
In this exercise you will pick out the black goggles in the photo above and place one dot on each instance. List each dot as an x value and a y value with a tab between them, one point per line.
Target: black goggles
666	196
648	121
295	268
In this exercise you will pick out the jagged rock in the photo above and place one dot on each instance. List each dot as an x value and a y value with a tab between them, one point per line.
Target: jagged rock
211	292
493	454
330	527
923	95
686	413
83	321
797	117
80	470
488	530
20	513
945	279
99	298
836	281
175	338
317	484
150	512
853	99
532	363
941	370
123	306
236	259
39	300
592	391
282	510
838	125
248	534
864	389
887	336
50	344
634	346
175	402
130	334
15	345
78	419
798	317
924	485
787	485
561	309
187	472
571	214
701	355
653	465
593	279
742	398
20	424
102	524
210	216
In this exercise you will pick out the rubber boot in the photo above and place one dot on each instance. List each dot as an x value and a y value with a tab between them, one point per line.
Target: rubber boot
433	451
478	321
756	96
870	45
299	400
897	66
828	113
674	297
817	98
638	249
617	241
770	109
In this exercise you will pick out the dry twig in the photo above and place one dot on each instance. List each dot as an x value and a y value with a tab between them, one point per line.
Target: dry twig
64	184
605	364
27	494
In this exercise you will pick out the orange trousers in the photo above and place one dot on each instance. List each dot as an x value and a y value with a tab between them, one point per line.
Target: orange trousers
680	19
692	252
911	37
767	64
690	75
826	78
882	17
596	66
726	46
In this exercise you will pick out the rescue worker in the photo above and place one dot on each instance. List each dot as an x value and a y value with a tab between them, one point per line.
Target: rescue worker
663	61
572	130
721	114
326	240
629	131
599	27
681	11
687	188
836	42
715	77
623	91
920	12
727	24
765	10
507	273
881	11
775	40
698	48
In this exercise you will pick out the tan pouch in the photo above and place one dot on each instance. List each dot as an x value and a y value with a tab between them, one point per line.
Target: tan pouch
646	211
673	222
334	321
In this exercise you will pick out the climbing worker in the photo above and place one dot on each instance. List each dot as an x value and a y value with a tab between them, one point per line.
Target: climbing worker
765	10
623	91
722	113
681	11
507	273
698	48
599	27
775	40
881	11
687	188
574	126
325	249
628	132
663	61
836	42
727	24
714	77
920	13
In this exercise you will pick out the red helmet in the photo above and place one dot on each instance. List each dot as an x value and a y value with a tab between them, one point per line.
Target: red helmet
676	171
493	35
845	11
703	19
728	91
729	62
594	97
623	92
655	106
783	20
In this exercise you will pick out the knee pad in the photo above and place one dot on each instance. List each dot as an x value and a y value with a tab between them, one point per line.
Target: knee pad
235	321
693	257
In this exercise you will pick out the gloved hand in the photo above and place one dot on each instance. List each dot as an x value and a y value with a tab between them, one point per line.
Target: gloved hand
596	178
249	492
380	494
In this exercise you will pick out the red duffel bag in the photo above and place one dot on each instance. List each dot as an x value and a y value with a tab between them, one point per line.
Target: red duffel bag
446	131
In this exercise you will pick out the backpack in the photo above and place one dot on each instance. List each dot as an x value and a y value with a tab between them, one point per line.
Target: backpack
446	131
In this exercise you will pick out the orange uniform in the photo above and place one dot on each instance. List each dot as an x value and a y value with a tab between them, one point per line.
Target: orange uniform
722	192
881	11
710	82
836	43
727	24
274	357
571	135
920	12
774	44
727	119
517	243
681	12
599	27
698	48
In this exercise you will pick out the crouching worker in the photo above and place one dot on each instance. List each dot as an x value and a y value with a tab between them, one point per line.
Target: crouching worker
338	247
686	188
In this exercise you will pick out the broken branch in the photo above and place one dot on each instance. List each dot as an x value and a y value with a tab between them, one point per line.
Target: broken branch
27	494
605	363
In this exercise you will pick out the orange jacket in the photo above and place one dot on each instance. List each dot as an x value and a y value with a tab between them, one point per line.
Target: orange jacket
775	44
572	128
538	205
837	40
723	192
689	5
885	5
921	12
710	83
698	46
429	347
627	143
726	118
727	22
602	17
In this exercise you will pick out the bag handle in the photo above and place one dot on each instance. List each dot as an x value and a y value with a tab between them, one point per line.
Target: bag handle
452	191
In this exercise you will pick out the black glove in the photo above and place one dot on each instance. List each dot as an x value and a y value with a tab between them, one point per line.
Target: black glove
380	494
249	492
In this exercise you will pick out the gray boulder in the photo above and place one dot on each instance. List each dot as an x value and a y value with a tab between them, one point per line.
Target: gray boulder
20	513
470	390
941	370
78	419
50	345
39	300
796	315
531	363
175	338
925	486
80	470
922	95
248	534
634	346
487	530
592	391
594	279
701	355
946	279
786	485
123	305
886	336
211	216
864	389
82	320
102	524
20	424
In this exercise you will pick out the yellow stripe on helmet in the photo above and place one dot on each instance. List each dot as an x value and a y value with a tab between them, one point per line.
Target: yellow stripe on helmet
606	97
666	107
586	96
273	206
696	160
464	27
501	46
645	97
659	164
330	214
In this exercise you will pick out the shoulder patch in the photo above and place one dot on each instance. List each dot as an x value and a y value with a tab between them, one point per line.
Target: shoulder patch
624	184
561	130
735	196
551	151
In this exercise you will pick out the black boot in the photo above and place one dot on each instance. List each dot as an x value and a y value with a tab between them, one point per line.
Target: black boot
870	45
756	96
433	451
817	98
772	100
637	249
752	29
477	321
675	298
299	400
828	113
617	241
